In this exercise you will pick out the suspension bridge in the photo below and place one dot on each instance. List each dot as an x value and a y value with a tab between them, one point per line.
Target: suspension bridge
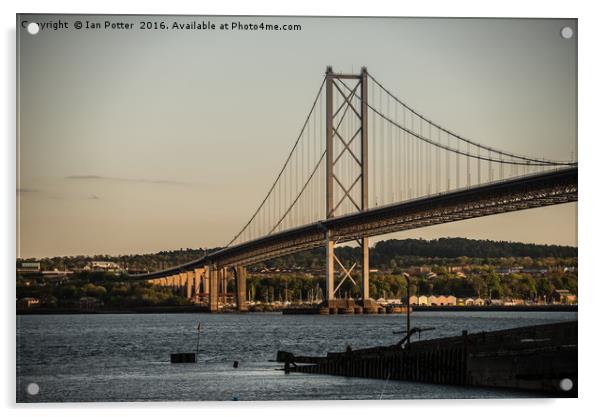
365	164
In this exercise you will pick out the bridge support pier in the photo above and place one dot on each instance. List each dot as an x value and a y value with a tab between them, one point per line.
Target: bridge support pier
329	272
189	282
180	280
199	274
213	289
224	285
206	282
241	288
365	269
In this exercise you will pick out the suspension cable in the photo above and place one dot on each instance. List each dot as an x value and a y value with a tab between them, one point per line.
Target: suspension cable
526	161
468	141
284	166
300	193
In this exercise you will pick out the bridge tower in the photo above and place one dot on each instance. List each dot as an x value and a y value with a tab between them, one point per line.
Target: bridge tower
356	109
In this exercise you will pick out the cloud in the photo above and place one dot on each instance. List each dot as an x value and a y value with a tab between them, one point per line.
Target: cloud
57	195
120	179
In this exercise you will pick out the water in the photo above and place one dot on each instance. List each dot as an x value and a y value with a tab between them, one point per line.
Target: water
126	357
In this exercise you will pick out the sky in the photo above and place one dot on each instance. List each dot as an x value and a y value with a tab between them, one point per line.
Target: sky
136	141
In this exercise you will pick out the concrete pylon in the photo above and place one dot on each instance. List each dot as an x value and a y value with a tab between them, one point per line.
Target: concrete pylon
189	284
224	284
213	289
241	288
206	280
365	269
182	284
198	276
329	271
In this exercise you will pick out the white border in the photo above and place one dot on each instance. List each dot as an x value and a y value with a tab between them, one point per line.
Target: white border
590	95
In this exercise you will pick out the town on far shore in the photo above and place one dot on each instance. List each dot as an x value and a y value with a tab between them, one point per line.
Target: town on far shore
446	273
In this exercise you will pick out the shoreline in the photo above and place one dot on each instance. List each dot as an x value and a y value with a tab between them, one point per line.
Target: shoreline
203	309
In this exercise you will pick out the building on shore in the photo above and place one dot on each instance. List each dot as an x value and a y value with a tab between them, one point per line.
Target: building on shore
563	297
28	267
88	303
514	302
450	300
106	266
479	302
27	303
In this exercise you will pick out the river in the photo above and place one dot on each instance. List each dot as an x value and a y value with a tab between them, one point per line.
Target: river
125	357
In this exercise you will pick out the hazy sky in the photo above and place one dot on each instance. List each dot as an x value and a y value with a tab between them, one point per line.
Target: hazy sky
137	141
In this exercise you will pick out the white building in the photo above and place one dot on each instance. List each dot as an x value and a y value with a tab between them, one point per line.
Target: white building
450	300
102	266
433	300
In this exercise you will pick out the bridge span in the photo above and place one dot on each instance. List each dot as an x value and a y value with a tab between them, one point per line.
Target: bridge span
414	165
538	190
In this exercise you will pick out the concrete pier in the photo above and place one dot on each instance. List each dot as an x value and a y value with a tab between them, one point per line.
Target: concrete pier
213	289
223	278
198	277
241	288
329	271
182	284
531	358
189	284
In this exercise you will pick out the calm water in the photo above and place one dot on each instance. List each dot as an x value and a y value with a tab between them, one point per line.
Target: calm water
126	357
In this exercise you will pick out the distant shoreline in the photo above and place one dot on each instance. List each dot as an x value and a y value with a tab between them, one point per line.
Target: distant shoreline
550	307
197	309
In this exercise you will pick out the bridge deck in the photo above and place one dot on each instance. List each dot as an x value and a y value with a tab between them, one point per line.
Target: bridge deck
537	190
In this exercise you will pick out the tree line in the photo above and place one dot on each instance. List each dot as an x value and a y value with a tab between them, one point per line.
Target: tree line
381	255
299	277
